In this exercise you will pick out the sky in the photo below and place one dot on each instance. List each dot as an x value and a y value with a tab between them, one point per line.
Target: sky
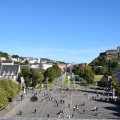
63	30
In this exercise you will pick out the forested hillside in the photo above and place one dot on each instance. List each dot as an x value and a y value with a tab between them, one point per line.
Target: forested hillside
104	64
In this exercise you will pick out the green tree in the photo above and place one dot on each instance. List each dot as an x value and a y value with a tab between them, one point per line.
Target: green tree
50	73
3	99
103	82
26	62
11	88
89	75
4	55
86	73
15	56
117	89
93	69
40	78
36	77
113	82
75	69
57	69
31	76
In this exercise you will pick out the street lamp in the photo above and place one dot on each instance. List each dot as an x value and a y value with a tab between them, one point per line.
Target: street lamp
24	92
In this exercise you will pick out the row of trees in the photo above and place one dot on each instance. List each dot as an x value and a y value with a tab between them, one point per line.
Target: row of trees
33	78
84	72
8	90
105	70
113	83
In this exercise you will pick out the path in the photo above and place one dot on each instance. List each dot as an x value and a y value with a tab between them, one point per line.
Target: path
68	110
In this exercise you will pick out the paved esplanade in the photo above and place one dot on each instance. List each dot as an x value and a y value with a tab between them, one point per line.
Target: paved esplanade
52	106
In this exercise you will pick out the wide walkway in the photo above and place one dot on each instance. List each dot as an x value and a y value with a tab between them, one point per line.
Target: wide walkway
107	109
68	105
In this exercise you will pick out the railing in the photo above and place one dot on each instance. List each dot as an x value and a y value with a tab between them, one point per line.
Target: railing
21	118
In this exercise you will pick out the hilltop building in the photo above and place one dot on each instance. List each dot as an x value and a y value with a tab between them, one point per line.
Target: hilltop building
115	52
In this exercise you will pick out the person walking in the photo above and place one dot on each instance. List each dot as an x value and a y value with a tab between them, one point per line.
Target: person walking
76	106
57	104
35	111
51	98
47	115
20	112
83	110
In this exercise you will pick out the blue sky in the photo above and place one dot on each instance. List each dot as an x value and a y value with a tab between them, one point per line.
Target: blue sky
66	30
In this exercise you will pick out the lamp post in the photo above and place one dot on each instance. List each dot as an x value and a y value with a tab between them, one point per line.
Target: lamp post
24	92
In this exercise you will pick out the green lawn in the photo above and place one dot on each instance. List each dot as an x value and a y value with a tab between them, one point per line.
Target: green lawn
72	85
50	84
65	83
97	78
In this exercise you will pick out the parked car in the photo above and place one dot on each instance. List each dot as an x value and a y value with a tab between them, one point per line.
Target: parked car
34	98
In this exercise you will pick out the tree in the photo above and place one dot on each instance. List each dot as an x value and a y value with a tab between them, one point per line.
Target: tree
113	82
75	69
25	72
11	88
93	69
50	73
117	91
57	69
41	78
34	75
8	90
15	56
86	73
3	99
103	82
89	76
31	76
2	54
81	70
26	62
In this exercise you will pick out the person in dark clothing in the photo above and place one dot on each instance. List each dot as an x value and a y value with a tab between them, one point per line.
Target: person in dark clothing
47	115
35	111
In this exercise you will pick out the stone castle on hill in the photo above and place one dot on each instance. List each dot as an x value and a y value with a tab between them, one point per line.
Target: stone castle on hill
115	52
